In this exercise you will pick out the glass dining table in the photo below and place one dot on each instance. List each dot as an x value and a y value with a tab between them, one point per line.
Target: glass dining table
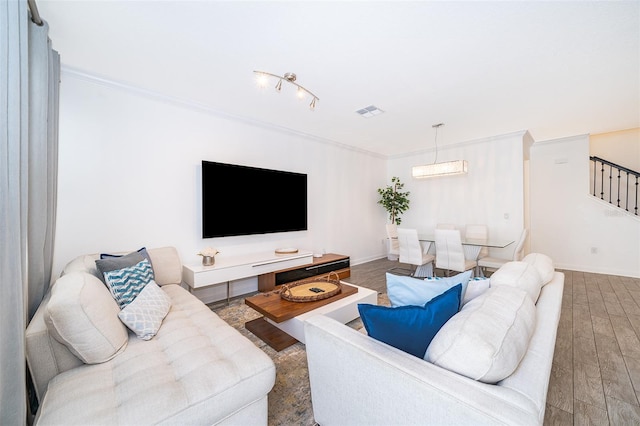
471	246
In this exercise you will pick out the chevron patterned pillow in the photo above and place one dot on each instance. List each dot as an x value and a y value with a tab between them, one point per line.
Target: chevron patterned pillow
144	315
126	283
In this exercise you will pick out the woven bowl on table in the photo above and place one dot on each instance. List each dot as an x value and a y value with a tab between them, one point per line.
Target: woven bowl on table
311	289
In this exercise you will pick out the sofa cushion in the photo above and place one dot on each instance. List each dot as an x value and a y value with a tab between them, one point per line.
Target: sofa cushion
167	267
475	288
519	274
144	315
82	315
410	328
126	283
85	263
488	338
543	264
403	290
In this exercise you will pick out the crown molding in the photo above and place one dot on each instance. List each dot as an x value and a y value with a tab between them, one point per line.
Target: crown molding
519	133
70	72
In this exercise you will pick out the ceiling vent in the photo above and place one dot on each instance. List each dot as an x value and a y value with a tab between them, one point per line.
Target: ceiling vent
369	111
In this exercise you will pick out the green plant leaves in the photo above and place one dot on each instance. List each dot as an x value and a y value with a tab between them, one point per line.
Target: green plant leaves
394	200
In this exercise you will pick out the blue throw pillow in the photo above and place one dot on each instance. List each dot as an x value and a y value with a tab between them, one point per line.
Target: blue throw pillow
125	284
410	328
403	290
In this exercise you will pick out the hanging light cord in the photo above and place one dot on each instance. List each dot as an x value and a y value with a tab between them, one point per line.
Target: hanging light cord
437	126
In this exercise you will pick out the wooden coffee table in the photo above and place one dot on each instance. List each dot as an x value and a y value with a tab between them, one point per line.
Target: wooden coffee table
283	322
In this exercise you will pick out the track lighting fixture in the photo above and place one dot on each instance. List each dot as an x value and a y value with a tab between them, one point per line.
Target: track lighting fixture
289	77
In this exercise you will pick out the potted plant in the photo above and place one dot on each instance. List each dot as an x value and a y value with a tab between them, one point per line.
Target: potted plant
208	256
394	200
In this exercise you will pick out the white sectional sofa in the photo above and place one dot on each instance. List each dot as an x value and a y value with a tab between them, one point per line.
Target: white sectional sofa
358	380
196	370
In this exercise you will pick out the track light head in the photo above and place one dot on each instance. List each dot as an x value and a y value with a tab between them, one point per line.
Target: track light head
261	80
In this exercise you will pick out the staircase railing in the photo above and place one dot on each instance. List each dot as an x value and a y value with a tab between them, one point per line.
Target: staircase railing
621	190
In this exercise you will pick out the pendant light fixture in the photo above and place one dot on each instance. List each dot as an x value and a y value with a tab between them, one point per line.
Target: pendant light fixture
435	169
263	78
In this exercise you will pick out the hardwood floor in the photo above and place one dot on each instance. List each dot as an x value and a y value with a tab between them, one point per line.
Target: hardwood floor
595	377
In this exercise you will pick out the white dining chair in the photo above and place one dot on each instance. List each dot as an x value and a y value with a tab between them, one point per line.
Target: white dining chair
496	262
478	232
411	253
394	250
432	248
449	252
392	235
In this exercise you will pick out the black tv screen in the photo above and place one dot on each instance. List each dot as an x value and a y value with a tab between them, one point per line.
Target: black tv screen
242	200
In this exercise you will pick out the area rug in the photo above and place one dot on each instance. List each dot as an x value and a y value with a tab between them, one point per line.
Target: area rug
290	398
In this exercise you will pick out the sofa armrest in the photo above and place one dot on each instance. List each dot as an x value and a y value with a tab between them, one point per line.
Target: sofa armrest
46	357
531	378
358	380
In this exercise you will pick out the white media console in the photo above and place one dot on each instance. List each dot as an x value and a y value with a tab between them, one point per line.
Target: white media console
232	268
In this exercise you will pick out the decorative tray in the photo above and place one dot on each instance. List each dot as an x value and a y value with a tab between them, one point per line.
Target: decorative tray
312	289
286	250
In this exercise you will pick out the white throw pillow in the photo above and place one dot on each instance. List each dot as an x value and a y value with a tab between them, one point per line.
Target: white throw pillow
144	315
543	264
488	338
82	315
475	288
519	274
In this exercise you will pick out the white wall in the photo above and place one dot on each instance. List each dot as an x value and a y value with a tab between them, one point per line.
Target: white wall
491	193
622	147
129	176
567	223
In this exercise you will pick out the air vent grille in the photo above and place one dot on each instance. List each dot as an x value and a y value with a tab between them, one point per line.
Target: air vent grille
369	111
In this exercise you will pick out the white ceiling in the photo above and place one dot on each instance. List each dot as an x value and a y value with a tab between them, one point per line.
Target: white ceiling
483	68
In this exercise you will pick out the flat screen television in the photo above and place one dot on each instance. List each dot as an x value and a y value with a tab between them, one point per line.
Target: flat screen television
242	200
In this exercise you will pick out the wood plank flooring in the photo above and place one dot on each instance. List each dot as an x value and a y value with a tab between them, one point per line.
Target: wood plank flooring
595	377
